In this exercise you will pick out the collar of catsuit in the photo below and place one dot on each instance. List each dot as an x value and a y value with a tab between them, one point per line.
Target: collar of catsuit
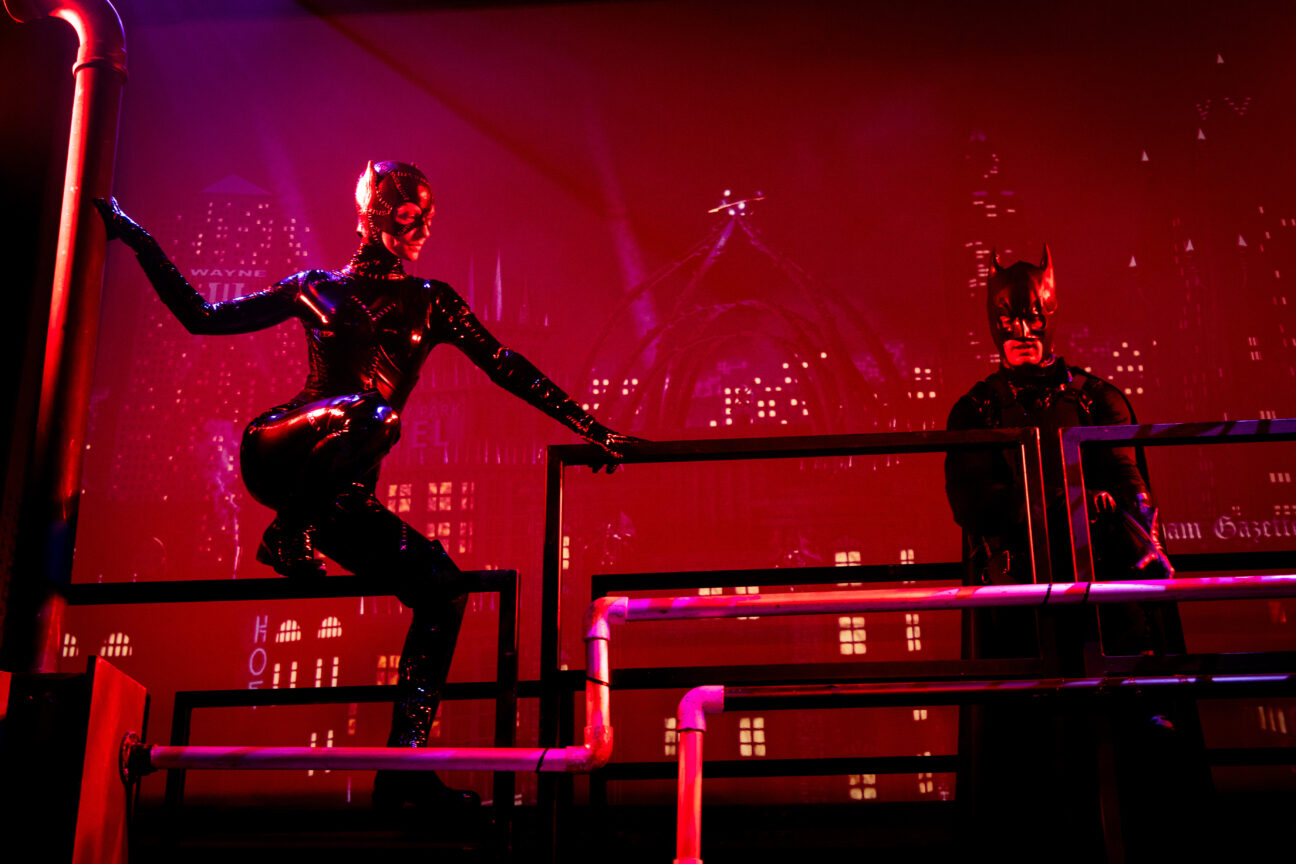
375	261
1038	384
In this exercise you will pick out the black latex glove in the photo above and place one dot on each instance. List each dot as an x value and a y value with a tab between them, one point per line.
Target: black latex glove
611	443
122	227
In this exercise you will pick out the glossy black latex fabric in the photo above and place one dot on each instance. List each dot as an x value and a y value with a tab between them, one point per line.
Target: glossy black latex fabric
369	328
362	535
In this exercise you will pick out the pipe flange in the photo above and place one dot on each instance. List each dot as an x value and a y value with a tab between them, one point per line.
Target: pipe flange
133	759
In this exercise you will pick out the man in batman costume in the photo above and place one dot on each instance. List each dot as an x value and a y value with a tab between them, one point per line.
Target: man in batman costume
1034	387
1014	752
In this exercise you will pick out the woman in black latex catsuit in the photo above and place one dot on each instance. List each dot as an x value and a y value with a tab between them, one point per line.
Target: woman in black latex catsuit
314	459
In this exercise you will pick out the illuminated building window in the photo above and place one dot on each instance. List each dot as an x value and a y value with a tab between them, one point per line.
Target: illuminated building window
906	556
440	496
751	736
1272	719
438	529
388	668
292	674
1268	414
926	783
314	742
919	714
566	552
747	589
289	631
1255	355
330	628
319	672
70	649
1253	341
851	635
913	632
352	710
710	592
116	645
400	497
847	558
670	737
863	787
1279	476
465	537
467	494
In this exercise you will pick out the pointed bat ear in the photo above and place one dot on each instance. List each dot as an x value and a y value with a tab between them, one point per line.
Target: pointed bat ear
995	266
1047	290
366	188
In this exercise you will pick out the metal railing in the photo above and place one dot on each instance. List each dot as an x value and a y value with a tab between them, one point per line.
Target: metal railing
558	684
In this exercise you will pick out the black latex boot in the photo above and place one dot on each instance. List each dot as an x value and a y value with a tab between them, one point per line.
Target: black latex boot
286	547
422	789
425	662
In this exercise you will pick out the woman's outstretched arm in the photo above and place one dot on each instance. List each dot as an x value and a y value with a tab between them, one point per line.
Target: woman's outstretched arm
517	374
240	315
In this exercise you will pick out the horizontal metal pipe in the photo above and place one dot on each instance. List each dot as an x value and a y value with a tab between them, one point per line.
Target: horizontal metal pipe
365	758
139	759
598	732
714	699
966	597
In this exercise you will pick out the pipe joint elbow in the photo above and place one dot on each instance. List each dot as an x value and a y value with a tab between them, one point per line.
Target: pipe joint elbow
98	27
600	614
697	703
596	753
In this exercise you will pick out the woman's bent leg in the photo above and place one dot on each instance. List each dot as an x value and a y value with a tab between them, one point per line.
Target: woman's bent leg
367	538
297	458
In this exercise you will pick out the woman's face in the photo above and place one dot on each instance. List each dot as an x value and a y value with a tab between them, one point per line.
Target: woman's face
410	223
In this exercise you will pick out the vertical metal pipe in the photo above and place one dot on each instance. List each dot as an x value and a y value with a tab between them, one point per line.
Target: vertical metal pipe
54	493
688	811
691	725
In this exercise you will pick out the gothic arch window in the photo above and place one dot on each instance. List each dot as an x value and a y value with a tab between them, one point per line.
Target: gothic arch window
330	628
70	649
289	631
